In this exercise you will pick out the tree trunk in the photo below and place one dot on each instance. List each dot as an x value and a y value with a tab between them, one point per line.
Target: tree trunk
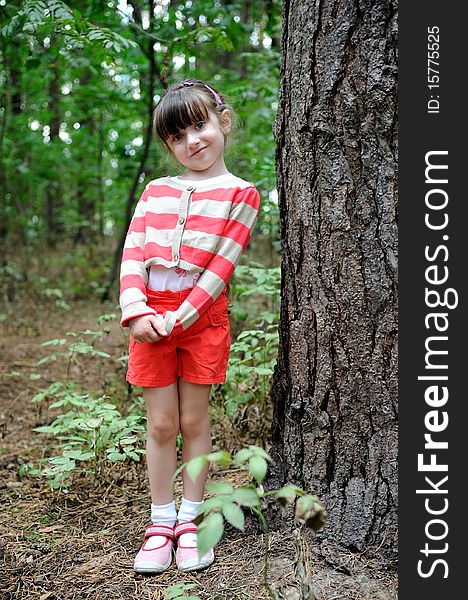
54	189
335	382
85	183
4	195
153	72
11	120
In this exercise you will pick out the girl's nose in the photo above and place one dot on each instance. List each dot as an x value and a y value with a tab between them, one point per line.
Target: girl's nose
192	139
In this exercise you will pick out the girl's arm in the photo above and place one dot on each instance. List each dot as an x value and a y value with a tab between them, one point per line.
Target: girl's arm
133	274
232	243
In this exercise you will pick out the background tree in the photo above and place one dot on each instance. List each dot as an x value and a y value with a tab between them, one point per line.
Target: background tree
335	383
80	84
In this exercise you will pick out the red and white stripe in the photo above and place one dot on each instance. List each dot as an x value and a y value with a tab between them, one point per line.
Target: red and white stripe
202	230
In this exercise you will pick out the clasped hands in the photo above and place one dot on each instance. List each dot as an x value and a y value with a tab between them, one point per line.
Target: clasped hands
147	328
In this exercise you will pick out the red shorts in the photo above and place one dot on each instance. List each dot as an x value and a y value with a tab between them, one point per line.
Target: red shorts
199	354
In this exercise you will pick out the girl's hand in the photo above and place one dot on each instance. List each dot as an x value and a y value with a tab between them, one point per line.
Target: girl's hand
148	328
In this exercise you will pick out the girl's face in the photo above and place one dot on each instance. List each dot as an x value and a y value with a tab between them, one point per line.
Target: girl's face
200	147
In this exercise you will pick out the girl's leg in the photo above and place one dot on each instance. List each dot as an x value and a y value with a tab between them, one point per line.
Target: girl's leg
195	430
162	411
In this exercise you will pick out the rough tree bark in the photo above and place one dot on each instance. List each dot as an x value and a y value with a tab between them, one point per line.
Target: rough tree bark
335	382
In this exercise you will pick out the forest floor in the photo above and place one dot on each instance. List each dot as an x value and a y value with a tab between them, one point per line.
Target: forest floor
81	544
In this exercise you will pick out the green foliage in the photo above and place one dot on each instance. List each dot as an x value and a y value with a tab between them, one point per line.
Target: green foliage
42	17
57	293
91	433
77	81
179	590
253	354
74	349
227	502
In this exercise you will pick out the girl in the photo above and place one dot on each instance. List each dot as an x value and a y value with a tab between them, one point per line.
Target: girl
185	239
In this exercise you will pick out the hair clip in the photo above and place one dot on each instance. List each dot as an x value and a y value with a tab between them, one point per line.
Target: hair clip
215	94
191	84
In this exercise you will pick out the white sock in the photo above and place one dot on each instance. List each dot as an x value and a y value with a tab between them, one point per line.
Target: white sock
161	514
164	514
187	512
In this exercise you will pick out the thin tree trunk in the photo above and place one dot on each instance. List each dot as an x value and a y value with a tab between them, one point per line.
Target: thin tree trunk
12	114
85	188
153	72
54	192
4	229
100	174
335	383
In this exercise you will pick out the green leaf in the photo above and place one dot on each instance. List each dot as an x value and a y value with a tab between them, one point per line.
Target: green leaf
116	457
58	404
57	342
246	497
80	455
263	371
260	452
48	358
126	441
243	456
221	457
196	466
63	463
175	591
44	429
133	455
210	532
14	374
258	468
90	424
219	487
214	503
234	514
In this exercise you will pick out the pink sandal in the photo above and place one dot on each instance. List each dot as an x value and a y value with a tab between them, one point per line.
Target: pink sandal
159	558
187	558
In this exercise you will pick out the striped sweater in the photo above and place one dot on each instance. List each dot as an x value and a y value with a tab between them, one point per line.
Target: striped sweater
201	228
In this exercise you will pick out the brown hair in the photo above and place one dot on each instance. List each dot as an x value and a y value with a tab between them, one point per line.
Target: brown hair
183	105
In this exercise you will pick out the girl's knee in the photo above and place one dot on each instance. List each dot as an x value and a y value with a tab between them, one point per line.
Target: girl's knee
193	424
162	429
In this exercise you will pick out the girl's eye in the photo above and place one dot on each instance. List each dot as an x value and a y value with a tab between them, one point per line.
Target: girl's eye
177	137
200	125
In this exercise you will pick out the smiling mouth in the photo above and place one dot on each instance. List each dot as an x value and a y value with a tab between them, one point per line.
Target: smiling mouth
198	151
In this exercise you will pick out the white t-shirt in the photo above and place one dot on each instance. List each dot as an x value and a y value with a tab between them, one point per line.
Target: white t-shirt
176	279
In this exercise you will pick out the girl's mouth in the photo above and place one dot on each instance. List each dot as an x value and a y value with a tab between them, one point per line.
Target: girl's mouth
198	151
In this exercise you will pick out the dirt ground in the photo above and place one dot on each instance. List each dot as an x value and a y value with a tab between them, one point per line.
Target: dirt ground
57	546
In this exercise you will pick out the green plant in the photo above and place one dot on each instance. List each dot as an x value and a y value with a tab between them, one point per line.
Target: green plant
178	591
91	433
57	293
255	278
253	354
228	502
83	346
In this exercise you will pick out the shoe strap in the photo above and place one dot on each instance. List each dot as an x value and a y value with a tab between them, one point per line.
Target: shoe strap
182	528
159	530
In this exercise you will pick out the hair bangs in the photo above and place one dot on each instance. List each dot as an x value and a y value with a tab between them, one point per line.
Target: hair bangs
179	110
